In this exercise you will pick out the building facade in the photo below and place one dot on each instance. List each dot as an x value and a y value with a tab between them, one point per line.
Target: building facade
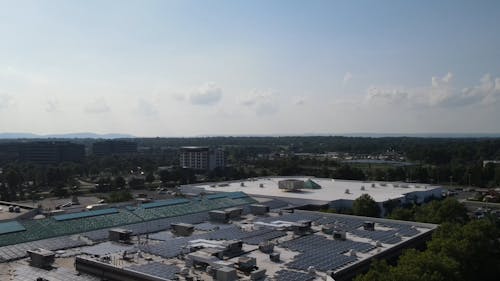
201	158
113	147
43	152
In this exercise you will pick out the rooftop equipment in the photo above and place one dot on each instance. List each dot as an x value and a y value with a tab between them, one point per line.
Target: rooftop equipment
258	209
182	229
247	264
274	257
219	216
339	235
41	258
234	212
225	274
119	235
369	225
258	275
266	247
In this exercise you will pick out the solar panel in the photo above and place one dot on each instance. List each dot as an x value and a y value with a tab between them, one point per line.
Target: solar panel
86	214
164	203
288	275
157	269
236	195
11	226
216	196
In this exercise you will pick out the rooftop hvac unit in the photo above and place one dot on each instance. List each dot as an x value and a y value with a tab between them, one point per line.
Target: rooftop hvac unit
247	264
225	274
327	229
41	258
218	216
182	229
274	257
258	275
266	247
347	191
339	235
369	225
119	235
257	209
362	187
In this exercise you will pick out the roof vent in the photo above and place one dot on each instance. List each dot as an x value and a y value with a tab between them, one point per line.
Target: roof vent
347	191
362	187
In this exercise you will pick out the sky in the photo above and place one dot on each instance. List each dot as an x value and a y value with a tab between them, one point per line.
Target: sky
262	67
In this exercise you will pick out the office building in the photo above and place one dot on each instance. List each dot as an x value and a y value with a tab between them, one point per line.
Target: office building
42	152
113	147
201	158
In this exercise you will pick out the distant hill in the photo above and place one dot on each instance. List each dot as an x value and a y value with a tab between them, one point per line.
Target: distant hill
64	136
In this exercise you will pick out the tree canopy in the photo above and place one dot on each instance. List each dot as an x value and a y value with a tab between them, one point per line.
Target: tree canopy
459	250
365	206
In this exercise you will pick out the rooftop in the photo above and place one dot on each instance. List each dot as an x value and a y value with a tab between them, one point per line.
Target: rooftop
331	189
162	254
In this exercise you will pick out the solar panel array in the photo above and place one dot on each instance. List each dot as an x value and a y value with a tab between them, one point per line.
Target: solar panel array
140	220
107	248
275	204
26	272
157	269
11	226
18	251
172	247
164	203
85	214
322	253
288	275
150	226
385	236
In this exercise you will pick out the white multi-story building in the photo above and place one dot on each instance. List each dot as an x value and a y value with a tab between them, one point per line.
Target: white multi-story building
201	158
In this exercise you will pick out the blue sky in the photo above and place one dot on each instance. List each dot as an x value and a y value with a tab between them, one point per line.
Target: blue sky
183	68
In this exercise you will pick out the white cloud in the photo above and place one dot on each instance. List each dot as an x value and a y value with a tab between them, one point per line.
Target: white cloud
262	102
347	77
207	94
52	105
440	93
97	106
146	108
5	101
386	97
299	101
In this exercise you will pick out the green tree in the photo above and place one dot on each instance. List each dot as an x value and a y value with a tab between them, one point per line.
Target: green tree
448	210
365	206
119	182
14	180
119	196
150	177
474	245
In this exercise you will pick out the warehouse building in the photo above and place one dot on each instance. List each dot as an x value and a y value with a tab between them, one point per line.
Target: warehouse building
320	192
177	240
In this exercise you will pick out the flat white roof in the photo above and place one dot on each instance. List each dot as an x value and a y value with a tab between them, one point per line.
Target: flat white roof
331	189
